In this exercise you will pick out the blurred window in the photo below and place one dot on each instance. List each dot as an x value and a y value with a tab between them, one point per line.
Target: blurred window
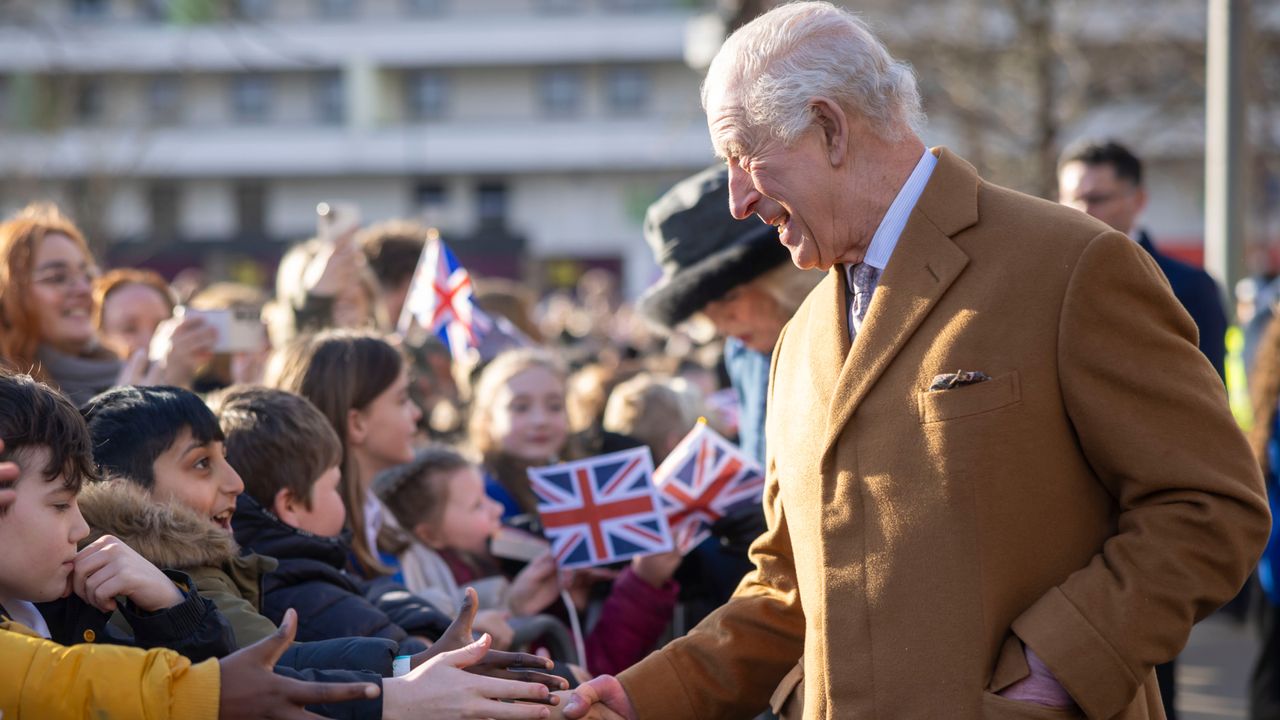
559	7
560	91
251	209
491	203
335	9
250	9
164	200
430	195
6	101
330	98
164	100
627	89
426	7
89	101
428	95
90	8
251	98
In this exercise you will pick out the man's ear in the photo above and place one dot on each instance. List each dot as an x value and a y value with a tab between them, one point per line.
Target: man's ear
427	535
833	123
356	427
286	507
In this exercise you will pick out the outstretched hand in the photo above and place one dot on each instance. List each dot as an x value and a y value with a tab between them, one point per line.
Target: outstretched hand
495	663
601	698
250	689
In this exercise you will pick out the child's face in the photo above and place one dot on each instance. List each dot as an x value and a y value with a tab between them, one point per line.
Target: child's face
385	430
38	534
197	475
470	517
528	419
328	513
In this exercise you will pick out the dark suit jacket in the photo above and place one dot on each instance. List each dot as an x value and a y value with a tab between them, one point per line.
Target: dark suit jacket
1199	294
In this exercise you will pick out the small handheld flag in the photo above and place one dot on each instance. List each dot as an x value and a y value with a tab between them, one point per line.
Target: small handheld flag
602	509
702	480
441	299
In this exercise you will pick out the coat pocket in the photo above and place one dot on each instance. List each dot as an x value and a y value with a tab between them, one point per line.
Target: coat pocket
995	707
993	394
787	701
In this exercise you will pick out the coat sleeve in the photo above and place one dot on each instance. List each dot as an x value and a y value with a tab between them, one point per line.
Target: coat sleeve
731	662
193	627
43	679
415	615
1152	420
364	709
247	624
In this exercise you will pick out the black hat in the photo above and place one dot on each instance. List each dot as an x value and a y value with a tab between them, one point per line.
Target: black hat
703	251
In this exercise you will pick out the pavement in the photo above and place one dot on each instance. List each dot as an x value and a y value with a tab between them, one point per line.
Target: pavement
1214	668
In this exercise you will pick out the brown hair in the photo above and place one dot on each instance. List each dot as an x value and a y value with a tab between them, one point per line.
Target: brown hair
121	277
392	249
418	491
20	236
649	409
340	371
276	440
33	416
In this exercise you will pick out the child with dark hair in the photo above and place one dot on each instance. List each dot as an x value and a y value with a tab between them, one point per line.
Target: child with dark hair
292	510
183	502
69	595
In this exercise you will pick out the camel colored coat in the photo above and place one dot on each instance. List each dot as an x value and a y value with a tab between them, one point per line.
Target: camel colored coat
1092	500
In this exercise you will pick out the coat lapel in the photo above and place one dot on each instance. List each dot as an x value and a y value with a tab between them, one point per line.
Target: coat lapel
924	265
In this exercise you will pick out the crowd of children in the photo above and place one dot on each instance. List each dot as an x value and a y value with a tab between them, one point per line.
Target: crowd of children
182	527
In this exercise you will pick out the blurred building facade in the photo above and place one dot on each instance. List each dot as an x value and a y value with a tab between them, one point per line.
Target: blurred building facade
532	132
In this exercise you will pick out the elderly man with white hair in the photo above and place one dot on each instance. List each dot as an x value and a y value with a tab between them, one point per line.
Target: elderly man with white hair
1003	482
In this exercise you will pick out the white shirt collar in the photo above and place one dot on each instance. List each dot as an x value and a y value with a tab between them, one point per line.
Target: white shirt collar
886	236
27	614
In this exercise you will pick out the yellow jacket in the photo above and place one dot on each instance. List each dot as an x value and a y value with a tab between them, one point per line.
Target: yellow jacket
43	679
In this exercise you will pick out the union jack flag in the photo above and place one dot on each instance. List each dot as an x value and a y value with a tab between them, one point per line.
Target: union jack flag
703	479
602	509
440	300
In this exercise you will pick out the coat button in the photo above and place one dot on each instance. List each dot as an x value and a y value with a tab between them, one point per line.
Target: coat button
90	636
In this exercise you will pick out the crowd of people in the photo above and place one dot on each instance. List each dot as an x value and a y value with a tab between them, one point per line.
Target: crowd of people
228	501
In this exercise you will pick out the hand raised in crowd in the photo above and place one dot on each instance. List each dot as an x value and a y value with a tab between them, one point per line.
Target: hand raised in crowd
657	569
601	698
579	582
335	268
495	663
496	624
250	689
181	346
535	587
107	568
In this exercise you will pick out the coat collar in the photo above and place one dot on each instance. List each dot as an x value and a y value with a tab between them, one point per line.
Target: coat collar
924	265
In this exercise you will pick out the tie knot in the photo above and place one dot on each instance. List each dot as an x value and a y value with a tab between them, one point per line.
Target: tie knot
864	277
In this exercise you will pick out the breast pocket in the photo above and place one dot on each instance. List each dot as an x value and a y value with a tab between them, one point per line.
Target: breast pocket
966	400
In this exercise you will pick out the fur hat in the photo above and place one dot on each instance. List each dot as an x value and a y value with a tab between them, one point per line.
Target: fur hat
703	251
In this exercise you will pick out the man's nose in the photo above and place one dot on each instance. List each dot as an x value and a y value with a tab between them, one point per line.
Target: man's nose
742	192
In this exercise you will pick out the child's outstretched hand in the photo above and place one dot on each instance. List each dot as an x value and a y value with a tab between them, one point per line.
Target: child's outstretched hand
107	568
535	587
495	663
442	686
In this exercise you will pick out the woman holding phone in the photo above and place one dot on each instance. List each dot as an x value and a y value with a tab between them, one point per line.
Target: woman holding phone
47	311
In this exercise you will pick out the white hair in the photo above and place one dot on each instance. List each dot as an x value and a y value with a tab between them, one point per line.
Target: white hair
776	63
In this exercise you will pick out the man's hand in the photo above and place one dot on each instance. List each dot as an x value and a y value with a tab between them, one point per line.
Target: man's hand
495	664
657	569
335	268
107	568
250	690
182	345
442	688
599	699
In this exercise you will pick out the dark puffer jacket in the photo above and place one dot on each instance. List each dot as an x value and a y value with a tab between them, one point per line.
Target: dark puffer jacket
310	578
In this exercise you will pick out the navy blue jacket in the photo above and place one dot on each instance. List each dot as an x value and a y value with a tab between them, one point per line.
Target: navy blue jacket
310	579
1198	293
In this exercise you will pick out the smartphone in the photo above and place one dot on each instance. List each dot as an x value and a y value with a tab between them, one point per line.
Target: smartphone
239	330
335	219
